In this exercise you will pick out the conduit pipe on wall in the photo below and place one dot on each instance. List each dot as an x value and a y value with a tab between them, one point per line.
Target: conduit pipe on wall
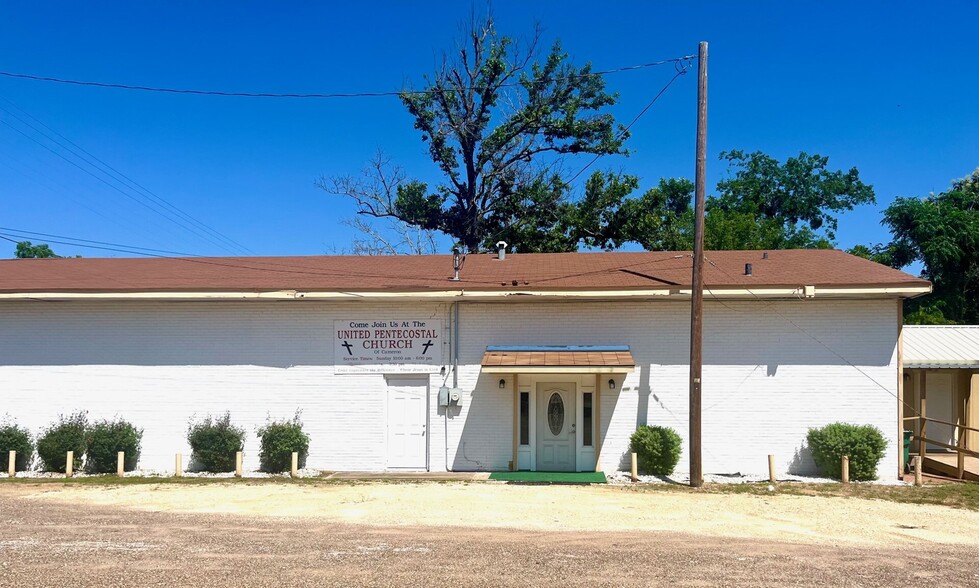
454	352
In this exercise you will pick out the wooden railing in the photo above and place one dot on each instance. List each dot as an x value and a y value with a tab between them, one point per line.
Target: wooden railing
959	446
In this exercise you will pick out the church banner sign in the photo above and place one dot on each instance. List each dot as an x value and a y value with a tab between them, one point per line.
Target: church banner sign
387	345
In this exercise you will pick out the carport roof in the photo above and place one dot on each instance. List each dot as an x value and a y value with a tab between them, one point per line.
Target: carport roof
941	346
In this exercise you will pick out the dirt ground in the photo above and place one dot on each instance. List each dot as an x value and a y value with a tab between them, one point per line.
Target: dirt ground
821	520
470	535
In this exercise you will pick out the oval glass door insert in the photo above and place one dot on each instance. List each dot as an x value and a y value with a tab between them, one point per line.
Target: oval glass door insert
555	414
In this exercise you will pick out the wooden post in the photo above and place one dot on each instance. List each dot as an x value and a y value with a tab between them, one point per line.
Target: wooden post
295	464
771	469
900	386
12	464
178	466
635	468
922	401
846	470
238	460
961	460
917	470
121	464
69	463
697	280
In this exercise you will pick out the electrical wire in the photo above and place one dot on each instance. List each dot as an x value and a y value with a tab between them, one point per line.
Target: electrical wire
198	92
681	70
682	65
255	264
88	157
139	201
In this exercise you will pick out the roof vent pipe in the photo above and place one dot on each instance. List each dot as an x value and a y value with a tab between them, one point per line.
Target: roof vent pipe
764	255
501	250
747	269
455	263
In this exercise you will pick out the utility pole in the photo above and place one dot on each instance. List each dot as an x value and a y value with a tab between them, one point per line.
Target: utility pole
697	291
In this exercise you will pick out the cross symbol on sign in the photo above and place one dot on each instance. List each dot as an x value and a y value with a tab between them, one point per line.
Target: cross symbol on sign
427	345
349	347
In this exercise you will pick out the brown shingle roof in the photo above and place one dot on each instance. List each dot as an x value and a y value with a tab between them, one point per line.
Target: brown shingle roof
527	271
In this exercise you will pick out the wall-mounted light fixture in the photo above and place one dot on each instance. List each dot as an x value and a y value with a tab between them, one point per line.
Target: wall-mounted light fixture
611	383
502	383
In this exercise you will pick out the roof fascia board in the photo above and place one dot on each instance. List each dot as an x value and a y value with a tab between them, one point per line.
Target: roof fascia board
725	293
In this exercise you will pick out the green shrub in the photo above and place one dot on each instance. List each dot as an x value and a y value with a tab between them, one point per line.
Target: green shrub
13	437
657	449
214	442
105	439
864	444
279	440
68	434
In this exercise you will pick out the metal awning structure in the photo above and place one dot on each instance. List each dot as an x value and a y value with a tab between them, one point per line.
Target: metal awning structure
566	359
944	346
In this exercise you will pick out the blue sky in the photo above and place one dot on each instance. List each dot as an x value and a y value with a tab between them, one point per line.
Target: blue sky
888	87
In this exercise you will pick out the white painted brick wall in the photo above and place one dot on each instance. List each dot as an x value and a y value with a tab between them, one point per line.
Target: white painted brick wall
766	380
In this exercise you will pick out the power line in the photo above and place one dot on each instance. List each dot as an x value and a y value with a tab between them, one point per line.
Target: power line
229	262
682	65
117	189
101	244
64	190
116	174
681	70
199	92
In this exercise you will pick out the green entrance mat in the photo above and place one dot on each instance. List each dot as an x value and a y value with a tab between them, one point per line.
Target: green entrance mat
550	477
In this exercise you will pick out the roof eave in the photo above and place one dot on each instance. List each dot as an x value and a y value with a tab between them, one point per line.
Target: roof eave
718	292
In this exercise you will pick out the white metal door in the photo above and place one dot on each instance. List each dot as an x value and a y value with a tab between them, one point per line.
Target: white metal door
556	447
940	405
407	407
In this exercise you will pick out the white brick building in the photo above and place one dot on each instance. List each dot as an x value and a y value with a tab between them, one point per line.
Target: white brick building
559	357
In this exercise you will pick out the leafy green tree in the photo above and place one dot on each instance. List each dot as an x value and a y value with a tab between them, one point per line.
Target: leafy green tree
880	253
27	250
798	194
942	233
763	204
493	118
661	219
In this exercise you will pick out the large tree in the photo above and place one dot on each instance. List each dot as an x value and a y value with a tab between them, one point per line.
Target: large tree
799	194
942	233
761	204
494	118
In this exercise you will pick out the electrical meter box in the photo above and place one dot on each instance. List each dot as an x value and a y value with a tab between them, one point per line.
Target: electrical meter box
449	396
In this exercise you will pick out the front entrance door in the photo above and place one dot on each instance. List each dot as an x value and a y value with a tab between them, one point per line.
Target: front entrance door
407	406
556	427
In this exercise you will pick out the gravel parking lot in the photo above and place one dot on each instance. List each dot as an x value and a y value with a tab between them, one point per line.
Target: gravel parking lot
468	535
